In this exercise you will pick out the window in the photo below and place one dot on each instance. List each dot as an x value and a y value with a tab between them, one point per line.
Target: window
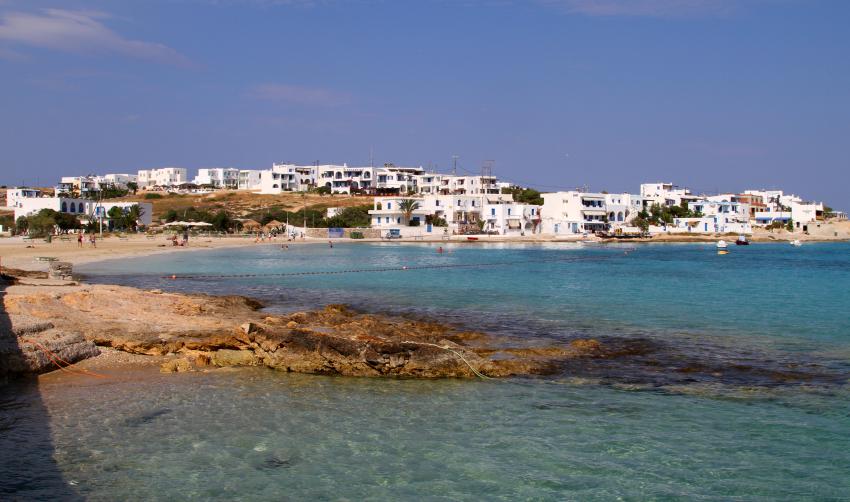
389	205
492	211
509	211
473	203
437	203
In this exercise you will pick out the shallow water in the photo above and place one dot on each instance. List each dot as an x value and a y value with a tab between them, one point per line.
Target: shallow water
627	429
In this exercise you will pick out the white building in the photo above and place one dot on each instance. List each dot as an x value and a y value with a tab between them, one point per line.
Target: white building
386	212
462	213
506	217
622	208
345	179
248	179
397	180
450	184
117	180
718	215
280	178
218	177
27	202
781	207
17	197
664	194
166	176
574	212
79	185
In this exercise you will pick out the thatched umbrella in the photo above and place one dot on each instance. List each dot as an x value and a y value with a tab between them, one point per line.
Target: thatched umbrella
273	225
250	224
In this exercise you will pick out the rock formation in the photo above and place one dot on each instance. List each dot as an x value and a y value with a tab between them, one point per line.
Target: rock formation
233	331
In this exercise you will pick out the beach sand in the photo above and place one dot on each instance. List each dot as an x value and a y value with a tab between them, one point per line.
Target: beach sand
17	253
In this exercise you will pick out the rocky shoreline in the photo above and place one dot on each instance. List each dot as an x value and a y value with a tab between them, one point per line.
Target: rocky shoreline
48	325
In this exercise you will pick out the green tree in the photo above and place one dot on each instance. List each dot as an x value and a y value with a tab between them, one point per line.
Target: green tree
790	225
407	207
641	223
133	187
132	216
21	224
116	218
222	222
524	195
42	223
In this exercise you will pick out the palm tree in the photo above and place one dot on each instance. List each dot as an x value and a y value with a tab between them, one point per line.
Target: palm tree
407	206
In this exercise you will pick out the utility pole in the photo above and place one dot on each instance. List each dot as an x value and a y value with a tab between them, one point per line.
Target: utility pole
100	212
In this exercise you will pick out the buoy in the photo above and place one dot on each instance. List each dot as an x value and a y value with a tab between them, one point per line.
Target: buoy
404	268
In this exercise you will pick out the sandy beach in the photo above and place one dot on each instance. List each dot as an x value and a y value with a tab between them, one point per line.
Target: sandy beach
18	253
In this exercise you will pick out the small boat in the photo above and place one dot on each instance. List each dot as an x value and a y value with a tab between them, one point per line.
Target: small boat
796	243
742	241
721	244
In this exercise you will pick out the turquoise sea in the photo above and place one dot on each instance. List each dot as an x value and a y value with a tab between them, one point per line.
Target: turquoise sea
733	384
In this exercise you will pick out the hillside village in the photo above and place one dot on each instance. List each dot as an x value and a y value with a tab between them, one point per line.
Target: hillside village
400	201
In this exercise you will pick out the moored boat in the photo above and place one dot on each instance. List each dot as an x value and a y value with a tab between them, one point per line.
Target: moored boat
742	241
796	243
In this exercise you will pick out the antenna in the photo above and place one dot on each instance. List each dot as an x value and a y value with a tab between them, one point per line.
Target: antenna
454	165
487	168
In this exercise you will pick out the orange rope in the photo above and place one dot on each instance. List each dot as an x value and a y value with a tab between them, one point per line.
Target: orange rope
55	359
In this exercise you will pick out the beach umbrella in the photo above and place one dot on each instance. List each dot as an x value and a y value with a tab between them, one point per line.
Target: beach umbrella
250	224
273	224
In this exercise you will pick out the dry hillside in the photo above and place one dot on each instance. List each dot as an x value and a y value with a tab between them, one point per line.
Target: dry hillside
241	203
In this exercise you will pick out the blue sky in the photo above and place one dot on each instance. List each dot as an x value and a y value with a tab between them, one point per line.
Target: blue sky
711	94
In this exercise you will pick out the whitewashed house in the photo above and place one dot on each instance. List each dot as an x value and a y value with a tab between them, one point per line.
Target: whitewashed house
218	177
280	178
396	179
386	212
506	217
162	177
622	208
717	216
248	179
27	202
344	179
574	212
664	194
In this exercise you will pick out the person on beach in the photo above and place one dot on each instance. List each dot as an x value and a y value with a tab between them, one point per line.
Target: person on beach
174	240
185	237
93	240
80	239
330	244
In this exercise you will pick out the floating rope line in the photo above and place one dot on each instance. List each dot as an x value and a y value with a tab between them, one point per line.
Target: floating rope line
382	269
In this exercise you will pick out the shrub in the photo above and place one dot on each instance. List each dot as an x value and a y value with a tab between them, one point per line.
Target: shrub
153	196
356	235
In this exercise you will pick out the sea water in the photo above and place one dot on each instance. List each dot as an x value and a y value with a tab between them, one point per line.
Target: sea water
741	393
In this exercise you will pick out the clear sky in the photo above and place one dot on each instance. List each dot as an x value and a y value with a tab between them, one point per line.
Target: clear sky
710	94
